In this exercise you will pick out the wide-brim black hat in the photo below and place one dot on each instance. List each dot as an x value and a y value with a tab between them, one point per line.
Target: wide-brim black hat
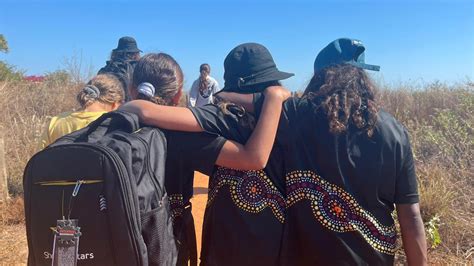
250	64
128	45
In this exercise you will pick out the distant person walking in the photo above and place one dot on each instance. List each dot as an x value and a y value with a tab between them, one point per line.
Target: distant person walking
203	88
122	62
102	94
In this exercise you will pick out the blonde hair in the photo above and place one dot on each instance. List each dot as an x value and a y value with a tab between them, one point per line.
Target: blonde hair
104	88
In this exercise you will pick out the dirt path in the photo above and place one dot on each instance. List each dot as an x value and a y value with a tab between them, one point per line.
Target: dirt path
13	246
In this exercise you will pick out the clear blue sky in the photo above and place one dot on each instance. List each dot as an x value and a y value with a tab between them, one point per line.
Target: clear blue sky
413	41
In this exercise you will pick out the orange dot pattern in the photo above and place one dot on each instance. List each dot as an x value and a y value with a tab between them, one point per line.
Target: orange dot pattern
251	191
338	211
176	206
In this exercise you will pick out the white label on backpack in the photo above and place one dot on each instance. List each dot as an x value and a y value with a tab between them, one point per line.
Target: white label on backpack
66	243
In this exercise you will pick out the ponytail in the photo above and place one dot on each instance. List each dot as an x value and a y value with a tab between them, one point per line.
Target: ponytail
205	70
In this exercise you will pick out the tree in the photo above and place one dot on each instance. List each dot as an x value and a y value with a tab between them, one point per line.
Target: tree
3	44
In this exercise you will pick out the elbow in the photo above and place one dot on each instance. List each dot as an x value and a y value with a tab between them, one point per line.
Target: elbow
145	116
257	163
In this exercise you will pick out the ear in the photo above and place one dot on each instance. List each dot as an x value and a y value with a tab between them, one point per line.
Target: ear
177	97
114	106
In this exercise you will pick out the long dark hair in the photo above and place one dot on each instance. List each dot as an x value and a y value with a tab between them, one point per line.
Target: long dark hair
346	95
205	70
163	72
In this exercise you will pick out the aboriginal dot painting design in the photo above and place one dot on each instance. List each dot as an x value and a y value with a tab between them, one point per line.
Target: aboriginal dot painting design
176	205
251	191
337	210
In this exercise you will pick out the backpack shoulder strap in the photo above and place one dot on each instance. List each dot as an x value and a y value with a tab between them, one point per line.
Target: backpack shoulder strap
109	122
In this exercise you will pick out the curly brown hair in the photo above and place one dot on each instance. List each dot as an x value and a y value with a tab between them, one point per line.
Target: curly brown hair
346	95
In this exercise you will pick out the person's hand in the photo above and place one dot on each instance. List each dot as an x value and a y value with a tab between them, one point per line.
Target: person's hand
278	92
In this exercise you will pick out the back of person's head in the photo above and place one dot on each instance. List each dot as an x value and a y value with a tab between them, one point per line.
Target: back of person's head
346	95
249	66
205	70
103	88
157	78
127	49
124	56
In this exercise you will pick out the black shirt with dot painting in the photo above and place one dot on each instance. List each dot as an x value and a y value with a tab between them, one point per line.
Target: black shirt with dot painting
341	189
244	218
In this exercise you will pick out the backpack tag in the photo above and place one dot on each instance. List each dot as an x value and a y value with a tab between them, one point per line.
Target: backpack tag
66	243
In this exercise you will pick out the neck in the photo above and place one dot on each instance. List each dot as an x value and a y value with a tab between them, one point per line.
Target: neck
98	107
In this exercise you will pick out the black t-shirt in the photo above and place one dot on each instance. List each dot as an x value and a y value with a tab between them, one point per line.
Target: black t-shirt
186	153
341	189
243	222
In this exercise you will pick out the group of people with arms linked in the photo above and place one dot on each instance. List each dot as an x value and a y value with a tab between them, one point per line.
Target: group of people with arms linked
309	180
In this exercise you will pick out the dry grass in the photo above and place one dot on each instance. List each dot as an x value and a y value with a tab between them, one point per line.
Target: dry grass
440	120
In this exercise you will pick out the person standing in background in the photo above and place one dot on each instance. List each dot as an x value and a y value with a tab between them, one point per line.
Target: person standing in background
203	88
122	62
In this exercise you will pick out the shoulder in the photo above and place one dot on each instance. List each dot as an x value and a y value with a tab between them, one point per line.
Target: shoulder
196	82
60	118
296	106
212	80
390	129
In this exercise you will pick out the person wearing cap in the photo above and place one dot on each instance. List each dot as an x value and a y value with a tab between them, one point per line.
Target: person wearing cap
349	166
122	61
245	214
203	89
101	94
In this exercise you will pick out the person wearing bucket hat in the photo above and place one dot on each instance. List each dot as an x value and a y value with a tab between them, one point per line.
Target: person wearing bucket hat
122	62
250	64
239	227
158	79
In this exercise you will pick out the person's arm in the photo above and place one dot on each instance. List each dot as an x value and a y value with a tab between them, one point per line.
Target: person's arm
254	155
244	100
413	233
251	156
406	201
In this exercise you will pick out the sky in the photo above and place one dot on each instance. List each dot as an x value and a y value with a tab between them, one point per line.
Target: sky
413	41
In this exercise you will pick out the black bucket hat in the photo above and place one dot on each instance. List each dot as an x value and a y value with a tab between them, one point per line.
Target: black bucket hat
250	64
343	51
128	45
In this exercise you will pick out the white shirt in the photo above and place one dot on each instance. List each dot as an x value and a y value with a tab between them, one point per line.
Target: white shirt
198	98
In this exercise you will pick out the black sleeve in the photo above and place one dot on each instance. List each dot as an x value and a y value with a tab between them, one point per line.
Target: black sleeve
406	190
213	120
197	151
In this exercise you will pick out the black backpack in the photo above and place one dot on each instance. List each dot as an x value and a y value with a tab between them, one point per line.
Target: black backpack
103	187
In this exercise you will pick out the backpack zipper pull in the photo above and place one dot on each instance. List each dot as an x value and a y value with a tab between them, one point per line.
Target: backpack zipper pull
77	187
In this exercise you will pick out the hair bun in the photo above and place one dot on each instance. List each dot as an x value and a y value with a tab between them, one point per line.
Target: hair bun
92	91
146	89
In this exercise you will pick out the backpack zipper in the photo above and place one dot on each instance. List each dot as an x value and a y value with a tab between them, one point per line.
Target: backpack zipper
124	184
67	183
